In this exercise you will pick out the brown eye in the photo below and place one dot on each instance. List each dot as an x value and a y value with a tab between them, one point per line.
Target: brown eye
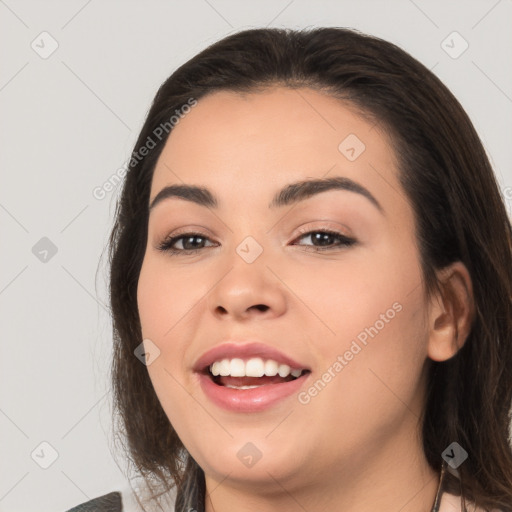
323	239
186	243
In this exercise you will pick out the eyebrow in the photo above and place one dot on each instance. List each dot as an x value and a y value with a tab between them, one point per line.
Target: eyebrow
290	194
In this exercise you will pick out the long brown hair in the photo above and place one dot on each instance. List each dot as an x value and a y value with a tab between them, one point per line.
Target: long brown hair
459	214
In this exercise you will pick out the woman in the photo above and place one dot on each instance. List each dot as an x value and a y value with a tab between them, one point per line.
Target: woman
311	284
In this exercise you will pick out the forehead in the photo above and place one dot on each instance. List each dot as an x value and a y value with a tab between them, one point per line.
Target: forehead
263	140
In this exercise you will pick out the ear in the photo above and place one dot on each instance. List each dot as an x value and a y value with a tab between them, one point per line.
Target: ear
451	312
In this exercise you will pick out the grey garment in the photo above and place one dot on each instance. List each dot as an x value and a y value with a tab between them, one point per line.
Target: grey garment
111	502
193	498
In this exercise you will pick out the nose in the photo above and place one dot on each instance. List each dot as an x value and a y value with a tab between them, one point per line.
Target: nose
248	291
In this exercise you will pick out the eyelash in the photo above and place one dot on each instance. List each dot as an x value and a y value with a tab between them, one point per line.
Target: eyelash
167	244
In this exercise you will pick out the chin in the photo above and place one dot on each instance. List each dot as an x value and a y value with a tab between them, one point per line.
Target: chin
255	463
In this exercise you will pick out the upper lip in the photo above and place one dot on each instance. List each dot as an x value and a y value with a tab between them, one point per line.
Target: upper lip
231	350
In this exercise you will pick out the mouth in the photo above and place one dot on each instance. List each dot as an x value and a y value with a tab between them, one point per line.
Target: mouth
253	373
249	377
249	386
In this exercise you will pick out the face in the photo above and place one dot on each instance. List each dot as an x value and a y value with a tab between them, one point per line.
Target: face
328	277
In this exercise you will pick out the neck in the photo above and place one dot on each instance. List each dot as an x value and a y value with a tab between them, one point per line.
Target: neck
396	477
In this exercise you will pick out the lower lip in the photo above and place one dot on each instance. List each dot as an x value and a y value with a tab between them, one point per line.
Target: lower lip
249	400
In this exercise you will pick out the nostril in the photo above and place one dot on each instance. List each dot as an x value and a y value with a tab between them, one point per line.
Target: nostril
261	307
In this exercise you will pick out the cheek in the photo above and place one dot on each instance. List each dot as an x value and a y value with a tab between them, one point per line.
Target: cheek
371	383
166	299
372	374
166	307
342	298
369	330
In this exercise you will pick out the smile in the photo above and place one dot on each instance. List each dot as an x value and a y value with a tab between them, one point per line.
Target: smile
250	386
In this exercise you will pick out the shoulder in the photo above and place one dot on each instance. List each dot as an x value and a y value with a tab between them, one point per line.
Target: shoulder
127	499
452	503
111	502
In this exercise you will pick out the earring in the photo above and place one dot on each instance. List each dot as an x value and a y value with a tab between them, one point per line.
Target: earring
437	501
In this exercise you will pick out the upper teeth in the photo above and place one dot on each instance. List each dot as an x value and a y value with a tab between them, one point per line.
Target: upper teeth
254	367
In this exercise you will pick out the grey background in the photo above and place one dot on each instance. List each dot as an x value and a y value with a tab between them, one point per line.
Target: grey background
69	122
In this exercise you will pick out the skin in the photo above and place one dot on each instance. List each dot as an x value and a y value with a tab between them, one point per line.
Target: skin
356	445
